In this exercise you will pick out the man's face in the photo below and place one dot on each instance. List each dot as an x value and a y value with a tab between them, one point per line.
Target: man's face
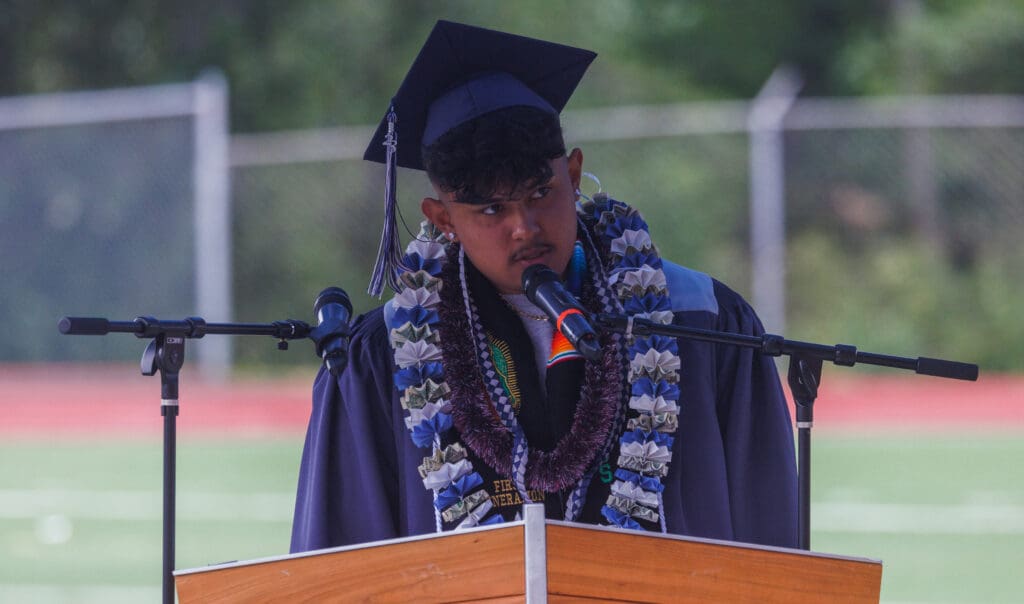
533	225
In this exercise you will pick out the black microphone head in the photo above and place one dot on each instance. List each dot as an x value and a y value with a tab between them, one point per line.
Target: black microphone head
332	295
534	276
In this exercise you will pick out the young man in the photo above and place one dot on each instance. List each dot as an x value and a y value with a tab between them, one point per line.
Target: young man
461	402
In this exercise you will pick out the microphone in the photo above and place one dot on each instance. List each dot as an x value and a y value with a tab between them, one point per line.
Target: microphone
545	289
333	310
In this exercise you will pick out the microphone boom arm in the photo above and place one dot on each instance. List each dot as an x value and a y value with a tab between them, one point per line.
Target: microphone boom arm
192	327
804	378
774	345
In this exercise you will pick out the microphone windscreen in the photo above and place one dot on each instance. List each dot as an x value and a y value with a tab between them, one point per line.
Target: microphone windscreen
332	295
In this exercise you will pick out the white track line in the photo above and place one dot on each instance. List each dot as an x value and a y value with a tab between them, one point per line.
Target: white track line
929	519
980	518
79	594
144	505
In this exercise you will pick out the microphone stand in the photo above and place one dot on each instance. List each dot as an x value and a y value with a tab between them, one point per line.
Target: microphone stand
804	377
166	354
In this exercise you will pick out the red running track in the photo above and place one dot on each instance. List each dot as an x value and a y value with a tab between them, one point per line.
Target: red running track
117	400
41	401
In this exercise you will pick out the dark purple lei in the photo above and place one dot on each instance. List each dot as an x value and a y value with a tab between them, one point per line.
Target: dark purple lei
477	421
633	279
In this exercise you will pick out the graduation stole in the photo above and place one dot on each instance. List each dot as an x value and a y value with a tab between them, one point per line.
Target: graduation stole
455	382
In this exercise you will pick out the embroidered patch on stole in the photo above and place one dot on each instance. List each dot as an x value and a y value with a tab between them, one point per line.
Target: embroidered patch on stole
501	355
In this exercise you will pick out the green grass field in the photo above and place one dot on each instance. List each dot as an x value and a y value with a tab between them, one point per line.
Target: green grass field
80	520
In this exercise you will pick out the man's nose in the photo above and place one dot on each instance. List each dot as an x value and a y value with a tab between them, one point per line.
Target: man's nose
525	224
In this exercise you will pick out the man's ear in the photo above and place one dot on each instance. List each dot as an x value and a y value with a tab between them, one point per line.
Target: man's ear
434	211
575	165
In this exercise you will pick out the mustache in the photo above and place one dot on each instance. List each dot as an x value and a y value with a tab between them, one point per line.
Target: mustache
530	251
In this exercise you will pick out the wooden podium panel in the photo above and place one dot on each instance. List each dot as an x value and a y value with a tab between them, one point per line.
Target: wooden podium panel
617	566
538	561
484	565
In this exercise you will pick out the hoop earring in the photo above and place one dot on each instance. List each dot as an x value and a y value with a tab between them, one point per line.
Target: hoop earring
596	181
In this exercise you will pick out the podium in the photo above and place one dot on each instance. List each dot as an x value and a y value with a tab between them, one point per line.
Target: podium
537	560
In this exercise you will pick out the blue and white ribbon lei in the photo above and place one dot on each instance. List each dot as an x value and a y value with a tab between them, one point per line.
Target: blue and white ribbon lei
645	447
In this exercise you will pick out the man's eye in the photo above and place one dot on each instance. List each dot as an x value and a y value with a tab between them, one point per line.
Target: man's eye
541	193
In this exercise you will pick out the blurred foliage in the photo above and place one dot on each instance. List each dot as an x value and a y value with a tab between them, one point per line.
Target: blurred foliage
950	46
896	297
727	49
319	63
316	63
855	254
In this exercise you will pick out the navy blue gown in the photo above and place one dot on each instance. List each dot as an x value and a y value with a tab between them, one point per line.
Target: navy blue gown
732	476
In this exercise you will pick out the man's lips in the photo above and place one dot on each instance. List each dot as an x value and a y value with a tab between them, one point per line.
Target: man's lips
531	253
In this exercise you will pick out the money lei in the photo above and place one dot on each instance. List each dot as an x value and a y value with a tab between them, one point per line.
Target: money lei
645	447
637	280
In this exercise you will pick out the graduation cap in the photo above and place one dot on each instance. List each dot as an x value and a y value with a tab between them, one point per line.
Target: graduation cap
463	72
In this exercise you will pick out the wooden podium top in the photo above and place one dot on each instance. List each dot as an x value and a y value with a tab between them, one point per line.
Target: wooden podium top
538	561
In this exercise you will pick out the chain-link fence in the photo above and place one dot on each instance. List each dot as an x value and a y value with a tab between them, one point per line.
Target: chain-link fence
112	204
901	215
907	240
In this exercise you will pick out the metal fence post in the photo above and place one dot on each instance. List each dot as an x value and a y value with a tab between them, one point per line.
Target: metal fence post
212	218
767	196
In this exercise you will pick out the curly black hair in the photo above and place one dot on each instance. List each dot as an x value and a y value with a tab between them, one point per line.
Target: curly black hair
501	152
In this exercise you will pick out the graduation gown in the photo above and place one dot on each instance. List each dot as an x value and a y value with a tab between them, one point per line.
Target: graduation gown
732	475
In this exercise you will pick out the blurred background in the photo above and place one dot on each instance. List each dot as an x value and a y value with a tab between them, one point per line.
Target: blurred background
854	168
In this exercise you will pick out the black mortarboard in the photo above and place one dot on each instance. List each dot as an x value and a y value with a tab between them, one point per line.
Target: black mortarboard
463	72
